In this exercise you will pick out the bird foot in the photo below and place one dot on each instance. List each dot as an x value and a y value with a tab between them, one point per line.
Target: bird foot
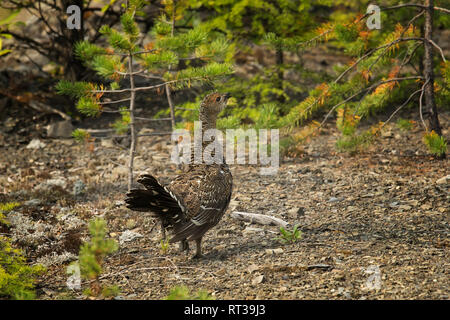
198	256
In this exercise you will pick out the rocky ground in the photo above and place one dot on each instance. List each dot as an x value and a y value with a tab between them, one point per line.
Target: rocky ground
374	225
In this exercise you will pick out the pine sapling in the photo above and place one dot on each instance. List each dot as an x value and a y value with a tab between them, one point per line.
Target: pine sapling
183	293
290	236
435	143
92	255
125	59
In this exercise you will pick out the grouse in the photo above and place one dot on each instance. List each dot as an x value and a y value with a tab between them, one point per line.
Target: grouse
194	201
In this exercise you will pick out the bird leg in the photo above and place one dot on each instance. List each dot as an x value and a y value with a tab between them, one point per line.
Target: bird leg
198	251
184	245
163	232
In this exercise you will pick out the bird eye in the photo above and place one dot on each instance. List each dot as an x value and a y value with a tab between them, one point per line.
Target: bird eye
218	99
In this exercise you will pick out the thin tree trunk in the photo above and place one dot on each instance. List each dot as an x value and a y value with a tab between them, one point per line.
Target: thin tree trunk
172	115
279	62
74	69
167	87
132	128
430	103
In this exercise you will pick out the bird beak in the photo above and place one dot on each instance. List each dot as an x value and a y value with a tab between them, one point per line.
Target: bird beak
227	96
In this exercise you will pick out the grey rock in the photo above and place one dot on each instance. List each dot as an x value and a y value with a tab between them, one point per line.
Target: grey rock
78	188
128	236
33	202
35	144
51	183
258	279
60	129
443	180
107	143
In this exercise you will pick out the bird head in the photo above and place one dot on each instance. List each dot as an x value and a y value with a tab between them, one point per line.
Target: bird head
213	104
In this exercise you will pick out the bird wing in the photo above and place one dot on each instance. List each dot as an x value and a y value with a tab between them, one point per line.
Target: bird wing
205	192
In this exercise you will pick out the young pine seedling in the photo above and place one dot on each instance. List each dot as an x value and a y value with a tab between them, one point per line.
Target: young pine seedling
289	236
404	124
435	143
92	256
164	246
182	293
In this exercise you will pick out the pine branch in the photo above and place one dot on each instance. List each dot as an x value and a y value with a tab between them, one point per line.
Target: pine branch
128	73
74	90
306	43
31	43
137	88
121	54
150	76
420	104
184	79
140	74
373	51
439	49
400	107
112	111
45	20
442	9
144	134
150	119
413	5
408	58
366	89
114	101
401	35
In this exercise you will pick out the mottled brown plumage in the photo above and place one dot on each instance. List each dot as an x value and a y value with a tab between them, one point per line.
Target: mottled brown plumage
194	201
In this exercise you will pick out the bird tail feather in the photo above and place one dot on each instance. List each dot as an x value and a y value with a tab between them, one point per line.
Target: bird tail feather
154	198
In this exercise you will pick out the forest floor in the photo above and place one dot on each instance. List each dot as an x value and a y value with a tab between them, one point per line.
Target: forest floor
374	225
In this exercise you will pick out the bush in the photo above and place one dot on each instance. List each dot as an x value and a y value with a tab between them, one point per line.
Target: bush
290	236
405	125
182	293
354	143
16	277
91	258
436	144
5	208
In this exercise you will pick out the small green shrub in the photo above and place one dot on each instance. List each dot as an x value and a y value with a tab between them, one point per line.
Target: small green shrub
290	236
122	124
80	135
5	208
91	257
16	277
182	293
110	291
436	144
83	136
354	143
404	124
164	246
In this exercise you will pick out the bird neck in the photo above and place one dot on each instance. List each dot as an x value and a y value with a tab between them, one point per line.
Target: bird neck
208	121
